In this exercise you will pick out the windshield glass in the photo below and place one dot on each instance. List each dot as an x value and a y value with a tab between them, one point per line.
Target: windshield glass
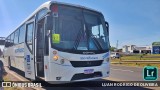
79	29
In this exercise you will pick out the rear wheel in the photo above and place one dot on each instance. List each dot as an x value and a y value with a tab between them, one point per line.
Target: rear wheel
9	63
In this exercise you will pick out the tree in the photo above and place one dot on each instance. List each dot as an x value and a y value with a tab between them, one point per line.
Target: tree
112	48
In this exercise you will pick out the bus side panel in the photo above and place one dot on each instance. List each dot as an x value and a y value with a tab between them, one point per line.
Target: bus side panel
47	68
17	56
11	56
6	56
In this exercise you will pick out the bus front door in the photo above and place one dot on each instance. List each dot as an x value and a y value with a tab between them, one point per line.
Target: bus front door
40	49
29	62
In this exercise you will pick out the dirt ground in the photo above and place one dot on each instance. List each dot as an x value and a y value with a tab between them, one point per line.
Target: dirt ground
9	77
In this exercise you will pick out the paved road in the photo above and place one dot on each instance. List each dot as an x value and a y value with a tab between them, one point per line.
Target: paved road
118	73
127	73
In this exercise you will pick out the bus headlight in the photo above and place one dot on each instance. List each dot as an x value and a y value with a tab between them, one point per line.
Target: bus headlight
55	57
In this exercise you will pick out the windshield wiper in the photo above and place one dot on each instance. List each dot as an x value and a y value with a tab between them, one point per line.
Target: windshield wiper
76	43
97	43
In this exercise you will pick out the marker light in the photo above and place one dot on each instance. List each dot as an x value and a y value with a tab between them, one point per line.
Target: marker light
55	57
54	52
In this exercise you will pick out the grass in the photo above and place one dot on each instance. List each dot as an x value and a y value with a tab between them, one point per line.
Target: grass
139	65
137	57
130	58
117	61
141	57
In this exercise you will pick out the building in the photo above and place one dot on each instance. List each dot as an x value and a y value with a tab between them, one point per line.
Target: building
143	49
156	47
128	48
136	49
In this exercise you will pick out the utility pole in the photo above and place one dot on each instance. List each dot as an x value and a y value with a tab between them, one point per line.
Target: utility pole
117	45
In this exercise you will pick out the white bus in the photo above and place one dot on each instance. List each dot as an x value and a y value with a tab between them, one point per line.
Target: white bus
60	42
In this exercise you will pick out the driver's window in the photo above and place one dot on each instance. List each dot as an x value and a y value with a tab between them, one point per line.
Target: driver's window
98	33
95	31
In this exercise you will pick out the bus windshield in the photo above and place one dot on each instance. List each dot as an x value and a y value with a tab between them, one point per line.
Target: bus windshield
80	29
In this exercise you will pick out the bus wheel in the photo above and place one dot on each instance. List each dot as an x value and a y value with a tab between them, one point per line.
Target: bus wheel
9	63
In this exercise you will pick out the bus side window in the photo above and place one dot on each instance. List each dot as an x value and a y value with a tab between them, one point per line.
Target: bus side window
12	39
8	41
22	34
41	13
16	35
29	36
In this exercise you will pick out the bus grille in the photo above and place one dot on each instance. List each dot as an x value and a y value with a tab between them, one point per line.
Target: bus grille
86	63
86	76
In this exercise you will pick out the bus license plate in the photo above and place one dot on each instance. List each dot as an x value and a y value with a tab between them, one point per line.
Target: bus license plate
88	71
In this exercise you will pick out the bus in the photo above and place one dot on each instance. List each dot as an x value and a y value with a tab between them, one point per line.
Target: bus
60	42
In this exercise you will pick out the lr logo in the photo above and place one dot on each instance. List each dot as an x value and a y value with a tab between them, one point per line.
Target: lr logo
150	73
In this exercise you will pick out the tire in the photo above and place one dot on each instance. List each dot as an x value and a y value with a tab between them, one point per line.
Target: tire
9	63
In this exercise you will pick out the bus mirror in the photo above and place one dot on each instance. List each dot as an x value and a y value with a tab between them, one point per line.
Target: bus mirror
49	22
107	26
48	32
105	22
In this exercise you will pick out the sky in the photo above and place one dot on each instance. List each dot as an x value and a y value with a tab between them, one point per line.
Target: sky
131	21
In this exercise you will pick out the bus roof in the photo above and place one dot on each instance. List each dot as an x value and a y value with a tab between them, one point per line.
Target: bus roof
74	5
47	5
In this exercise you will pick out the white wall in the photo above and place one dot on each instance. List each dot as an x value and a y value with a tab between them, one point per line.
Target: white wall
125	49
128	48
